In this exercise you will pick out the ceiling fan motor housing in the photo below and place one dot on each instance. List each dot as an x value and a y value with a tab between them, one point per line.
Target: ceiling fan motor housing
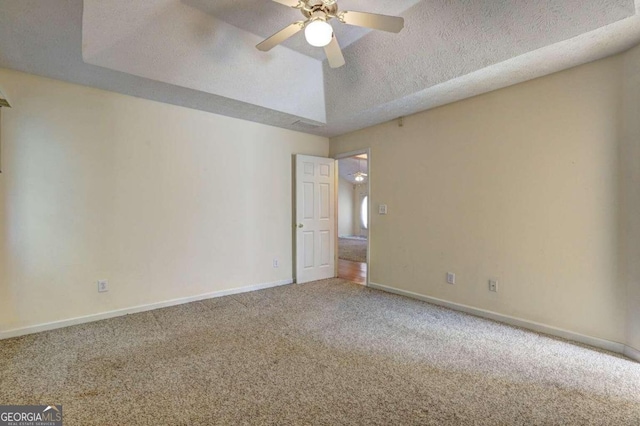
317	8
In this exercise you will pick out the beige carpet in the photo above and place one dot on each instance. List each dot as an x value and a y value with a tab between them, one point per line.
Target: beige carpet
353	249
329	353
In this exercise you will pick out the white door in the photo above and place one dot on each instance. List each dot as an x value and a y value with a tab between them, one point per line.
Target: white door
315	218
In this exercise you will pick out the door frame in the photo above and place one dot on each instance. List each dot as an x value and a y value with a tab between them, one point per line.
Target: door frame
341	156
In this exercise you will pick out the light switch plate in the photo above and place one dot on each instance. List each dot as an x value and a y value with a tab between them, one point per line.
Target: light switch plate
382	209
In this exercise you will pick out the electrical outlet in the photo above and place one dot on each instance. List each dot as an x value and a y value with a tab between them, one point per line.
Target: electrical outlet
382	209
451	278
276	264
103	286
493	286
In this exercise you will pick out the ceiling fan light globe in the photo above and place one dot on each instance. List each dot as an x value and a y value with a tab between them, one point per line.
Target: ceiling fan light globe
318	33
359	178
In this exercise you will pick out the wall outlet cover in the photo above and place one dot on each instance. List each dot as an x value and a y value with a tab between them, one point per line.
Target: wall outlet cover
451	278
103	286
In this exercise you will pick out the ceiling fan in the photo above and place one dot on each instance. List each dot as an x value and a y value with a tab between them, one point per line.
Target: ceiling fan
318	31
359	176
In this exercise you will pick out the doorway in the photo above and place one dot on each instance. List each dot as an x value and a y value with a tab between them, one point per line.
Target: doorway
353	228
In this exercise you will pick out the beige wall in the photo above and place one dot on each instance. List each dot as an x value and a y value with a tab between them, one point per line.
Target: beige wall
6	309
521	185
360	191
535	185
164	202
630	194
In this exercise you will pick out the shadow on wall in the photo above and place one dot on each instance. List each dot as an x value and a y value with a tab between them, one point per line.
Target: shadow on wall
629	195
6	298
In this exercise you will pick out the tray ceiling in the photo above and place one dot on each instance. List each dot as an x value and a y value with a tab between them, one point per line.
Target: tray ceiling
200	53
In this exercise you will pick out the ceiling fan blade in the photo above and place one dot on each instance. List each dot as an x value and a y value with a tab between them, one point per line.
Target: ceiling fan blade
334	53
290	3
281	36
393	24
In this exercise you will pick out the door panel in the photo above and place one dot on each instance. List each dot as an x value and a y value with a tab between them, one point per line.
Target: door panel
308	200
315	218
325	250
308	249
325	202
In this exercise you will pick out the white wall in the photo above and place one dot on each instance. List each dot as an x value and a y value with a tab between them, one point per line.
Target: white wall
163	201
345	207
360	191
630	195
521	185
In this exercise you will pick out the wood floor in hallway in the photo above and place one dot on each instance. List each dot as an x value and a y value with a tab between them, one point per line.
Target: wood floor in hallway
352	271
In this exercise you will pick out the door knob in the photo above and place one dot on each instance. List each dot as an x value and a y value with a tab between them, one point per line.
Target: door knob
300	225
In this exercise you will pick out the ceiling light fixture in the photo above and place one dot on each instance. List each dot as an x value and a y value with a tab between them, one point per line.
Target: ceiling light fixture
318	33
359	176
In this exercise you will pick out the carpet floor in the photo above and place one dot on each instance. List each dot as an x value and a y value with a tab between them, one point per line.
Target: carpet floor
327	353
352	249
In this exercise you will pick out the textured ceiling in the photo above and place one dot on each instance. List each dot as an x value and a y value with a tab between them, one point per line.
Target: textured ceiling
462	37
166	40
265	18
200	53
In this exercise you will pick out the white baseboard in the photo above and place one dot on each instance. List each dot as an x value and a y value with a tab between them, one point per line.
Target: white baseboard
518	322
135	309
632	353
